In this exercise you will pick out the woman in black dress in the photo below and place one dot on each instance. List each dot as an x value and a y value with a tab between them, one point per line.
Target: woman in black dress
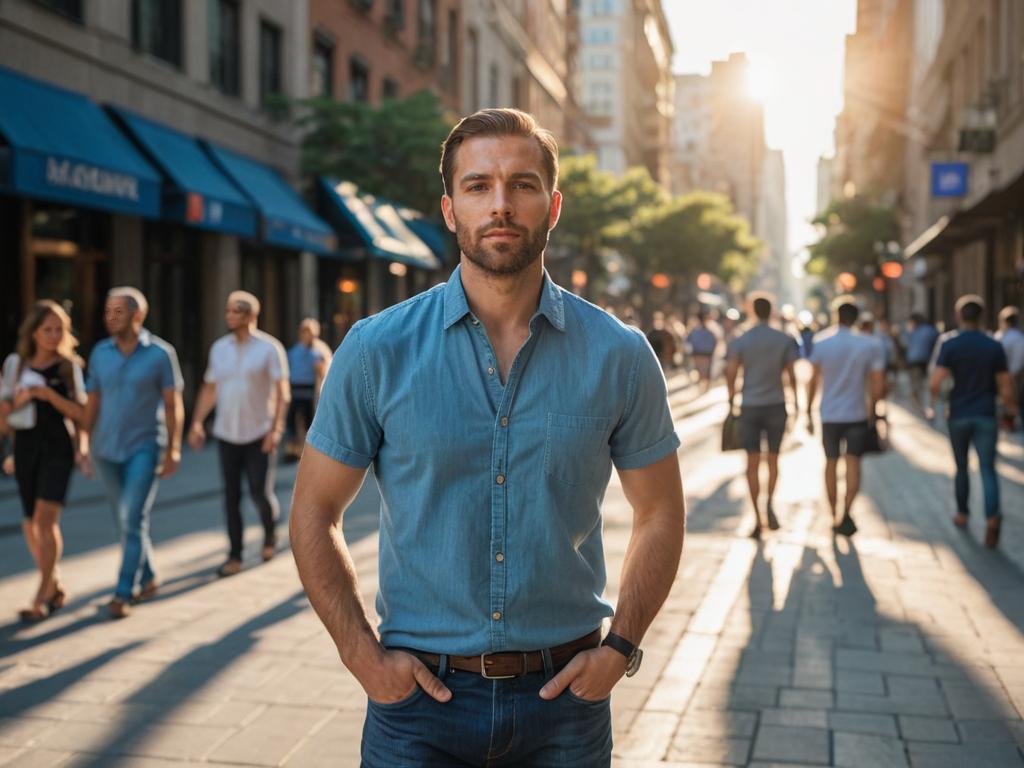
48	375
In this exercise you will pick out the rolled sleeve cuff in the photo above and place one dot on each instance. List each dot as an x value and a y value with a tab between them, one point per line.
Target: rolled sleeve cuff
668	444
336	451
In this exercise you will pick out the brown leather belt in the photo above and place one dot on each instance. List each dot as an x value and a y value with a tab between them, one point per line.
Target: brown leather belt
507	664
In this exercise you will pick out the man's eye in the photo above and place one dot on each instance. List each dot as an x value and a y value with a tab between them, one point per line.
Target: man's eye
476	187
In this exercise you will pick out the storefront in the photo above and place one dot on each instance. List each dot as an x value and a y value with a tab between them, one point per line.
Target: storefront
73	193
380	261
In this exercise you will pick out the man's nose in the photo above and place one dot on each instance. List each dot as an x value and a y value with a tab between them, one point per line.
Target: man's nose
501	204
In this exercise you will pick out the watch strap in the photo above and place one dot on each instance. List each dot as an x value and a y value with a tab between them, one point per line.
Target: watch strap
620	644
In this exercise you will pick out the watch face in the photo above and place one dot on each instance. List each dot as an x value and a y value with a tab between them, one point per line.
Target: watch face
633	662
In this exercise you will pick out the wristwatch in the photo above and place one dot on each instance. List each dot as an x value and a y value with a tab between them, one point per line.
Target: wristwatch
633	654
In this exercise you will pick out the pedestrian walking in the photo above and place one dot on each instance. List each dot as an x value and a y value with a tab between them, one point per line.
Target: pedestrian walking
135	416
703	343
492	409
849	369
41	400
1012	339
247	380
977	365
764	355
308	360
662	341
921	338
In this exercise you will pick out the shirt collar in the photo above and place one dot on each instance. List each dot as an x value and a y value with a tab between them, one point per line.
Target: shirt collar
552	305
145	338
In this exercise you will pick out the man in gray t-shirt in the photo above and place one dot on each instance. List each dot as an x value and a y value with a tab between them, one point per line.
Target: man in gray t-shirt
850	368
763	354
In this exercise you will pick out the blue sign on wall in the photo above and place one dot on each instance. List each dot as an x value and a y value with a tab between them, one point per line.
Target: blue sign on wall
949	179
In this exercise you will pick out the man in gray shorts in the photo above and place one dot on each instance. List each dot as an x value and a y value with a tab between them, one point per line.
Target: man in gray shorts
851	368
764	354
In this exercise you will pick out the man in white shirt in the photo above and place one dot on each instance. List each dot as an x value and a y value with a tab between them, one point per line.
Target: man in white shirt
247	379
849	368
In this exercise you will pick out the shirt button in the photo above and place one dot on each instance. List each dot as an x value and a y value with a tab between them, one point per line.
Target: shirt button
499	557
500	479
504	421
475	321
490	371
496	615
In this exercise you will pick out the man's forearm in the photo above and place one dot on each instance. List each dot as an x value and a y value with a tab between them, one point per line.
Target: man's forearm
652	559
284	397
329	576
175	418
204	402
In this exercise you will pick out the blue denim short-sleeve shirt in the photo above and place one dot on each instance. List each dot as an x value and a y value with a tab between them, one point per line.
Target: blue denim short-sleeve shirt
490	528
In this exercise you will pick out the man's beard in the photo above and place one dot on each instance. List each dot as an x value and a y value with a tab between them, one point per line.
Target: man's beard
502	258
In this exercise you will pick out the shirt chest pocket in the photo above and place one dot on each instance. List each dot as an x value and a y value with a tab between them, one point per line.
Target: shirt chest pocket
576	448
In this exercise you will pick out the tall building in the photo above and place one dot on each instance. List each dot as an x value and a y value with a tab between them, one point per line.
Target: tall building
141	144
826	188
871	131
627	85
692	121
773	226
964	176
522	54
370	51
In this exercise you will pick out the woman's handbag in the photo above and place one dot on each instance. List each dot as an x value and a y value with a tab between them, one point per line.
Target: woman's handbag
877	439
15	376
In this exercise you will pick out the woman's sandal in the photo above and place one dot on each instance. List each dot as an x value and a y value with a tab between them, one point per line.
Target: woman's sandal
60	597
34	614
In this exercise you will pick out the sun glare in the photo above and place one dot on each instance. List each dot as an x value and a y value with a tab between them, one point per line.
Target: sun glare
760	82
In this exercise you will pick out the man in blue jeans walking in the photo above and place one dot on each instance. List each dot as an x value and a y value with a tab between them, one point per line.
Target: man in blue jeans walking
977	364
492	409
134	416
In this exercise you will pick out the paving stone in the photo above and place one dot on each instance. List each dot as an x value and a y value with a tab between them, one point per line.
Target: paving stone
805	699
974	731
718	723
704	749
37	758
801	745
927	729
326	748
862	702
859	722
855	750
745	697
649	736
803	718
967	702
22	731
930	755
851	681
274	734
893	663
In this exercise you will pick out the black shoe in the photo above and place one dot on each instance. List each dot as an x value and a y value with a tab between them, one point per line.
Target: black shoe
773	521
756	533
846	526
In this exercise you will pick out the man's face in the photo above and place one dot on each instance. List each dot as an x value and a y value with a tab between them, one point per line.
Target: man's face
235	316
117	316
500	207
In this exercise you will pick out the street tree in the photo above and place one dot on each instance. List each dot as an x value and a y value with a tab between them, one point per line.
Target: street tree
389	150
850	229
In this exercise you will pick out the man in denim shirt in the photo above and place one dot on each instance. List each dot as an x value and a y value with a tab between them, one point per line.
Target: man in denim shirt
492	409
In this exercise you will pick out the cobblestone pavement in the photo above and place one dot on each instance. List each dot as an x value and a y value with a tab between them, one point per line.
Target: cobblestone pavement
902	646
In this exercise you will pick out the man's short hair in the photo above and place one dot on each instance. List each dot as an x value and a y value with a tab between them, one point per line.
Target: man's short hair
846	311
918	317
1009	316
970	308
498	122
246	301
762	304
313	324
133	297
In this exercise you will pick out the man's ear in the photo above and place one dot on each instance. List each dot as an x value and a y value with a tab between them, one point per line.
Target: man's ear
556	209
447	209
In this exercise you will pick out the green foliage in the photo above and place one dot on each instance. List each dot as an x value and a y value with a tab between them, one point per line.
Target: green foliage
851	228
392	150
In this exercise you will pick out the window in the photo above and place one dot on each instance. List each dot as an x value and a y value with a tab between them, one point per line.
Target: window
452	62
389	90
156	29
425	33
599	36
394	16
474	69
70	8
358	80
492	85
270	61
322	69
224	45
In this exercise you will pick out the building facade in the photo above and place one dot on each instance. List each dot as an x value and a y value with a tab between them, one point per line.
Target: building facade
625	60
964	174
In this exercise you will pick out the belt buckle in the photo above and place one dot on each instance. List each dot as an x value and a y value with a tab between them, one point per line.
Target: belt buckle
483	668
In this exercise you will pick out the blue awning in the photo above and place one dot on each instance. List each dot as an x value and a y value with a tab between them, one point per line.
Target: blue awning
197	192
61	146
374	224
438	238
287	221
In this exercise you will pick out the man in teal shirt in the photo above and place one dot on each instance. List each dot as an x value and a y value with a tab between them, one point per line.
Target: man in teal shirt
492	409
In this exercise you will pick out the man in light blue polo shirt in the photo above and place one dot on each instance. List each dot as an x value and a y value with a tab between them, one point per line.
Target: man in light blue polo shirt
134	387
851	369
492	409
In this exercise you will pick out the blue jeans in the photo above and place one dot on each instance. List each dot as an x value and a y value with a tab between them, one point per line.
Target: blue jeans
488	723
982	431
131	487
